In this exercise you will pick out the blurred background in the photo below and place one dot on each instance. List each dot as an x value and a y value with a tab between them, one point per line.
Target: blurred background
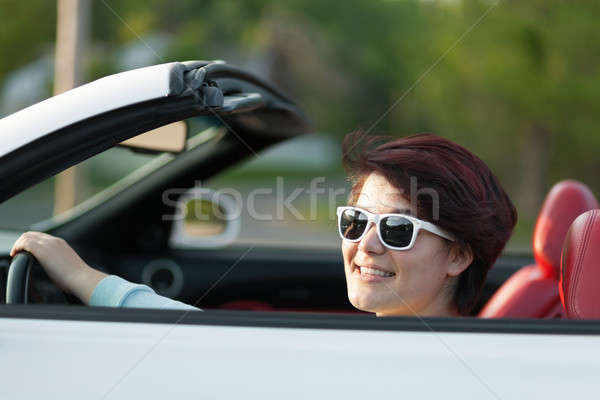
516	82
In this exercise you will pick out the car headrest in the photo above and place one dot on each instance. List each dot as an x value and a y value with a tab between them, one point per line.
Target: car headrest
580	268
565	201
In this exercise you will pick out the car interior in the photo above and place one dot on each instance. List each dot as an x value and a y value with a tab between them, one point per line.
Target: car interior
119	237
533	291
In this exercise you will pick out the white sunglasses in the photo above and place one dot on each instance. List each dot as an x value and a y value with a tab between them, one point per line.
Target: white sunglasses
395	231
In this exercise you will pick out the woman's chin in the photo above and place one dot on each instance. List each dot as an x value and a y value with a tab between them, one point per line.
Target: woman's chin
367	302
367	297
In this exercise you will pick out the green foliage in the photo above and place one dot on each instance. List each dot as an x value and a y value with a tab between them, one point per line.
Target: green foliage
27	28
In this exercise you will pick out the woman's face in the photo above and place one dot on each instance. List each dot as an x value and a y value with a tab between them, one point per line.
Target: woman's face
421	275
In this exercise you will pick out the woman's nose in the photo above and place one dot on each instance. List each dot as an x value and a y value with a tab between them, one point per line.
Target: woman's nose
370	243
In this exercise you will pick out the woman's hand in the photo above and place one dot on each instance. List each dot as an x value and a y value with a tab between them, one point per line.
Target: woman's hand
62	264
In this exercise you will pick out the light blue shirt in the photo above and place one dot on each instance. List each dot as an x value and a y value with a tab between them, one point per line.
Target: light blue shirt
114	291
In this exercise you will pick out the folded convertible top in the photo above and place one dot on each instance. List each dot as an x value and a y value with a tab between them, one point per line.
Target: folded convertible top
48	137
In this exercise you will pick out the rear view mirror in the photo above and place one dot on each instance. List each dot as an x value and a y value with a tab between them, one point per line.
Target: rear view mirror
171	138
204	219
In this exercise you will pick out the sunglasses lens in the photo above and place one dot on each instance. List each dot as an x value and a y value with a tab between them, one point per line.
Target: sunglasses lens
396	231
353	224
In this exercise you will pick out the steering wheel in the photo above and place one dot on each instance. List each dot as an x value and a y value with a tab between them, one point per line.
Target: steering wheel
17	282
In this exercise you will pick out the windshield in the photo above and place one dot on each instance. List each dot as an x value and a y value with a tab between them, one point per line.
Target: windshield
92	176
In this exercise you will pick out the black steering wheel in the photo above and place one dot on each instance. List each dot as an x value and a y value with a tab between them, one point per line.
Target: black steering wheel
17	282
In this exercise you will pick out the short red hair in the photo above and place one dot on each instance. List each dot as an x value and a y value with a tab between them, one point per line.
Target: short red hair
472	203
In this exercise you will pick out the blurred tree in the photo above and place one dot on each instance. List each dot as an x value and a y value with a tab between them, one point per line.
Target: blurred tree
519	91
27	28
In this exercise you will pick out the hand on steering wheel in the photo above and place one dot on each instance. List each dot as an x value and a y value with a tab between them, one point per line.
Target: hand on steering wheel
17	282
62	264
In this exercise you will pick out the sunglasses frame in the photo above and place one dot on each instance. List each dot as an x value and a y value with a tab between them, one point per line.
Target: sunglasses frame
418	224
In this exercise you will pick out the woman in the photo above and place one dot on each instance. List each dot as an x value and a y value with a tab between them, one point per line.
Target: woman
436	263
425	222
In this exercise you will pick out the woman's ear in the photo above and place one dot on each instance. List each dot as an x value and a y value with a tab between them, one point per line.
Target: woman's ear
460	257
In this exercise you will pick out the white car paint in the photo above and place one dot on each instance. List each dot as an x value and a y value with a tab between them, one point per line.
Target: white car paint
105	94
106	360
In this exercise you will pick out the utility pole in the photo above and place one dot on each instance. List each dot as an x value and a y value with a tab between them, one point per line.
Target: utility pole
71	39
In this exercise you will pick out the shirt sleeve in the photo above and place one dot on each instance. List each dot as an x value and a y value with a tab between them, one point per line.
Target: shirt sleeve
114	291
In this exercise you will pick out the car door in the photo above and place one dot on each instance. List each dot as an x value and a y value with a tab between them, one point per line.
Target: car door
75	352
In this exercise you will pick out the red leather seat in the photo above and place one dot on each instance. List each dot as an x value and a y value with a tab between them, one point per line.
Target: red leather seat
580	268
532	292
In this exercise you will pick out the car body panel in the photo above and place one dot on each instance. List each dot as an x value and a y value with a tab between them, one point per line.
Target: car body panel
75	359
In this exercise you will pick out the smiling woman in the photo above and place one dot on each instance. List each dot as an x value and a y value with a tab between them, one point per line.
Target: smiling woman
449	219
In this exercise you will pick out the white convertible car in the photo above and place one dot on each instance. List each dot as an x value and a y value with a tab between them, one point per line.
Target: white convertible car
278	325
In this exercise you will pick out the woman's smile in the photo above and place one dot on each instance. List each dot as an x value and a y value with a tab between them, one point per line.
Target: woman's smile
372	273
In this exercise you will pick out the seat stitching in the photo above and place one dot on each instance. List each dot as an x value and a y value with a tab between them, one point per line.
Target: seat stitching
580	257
